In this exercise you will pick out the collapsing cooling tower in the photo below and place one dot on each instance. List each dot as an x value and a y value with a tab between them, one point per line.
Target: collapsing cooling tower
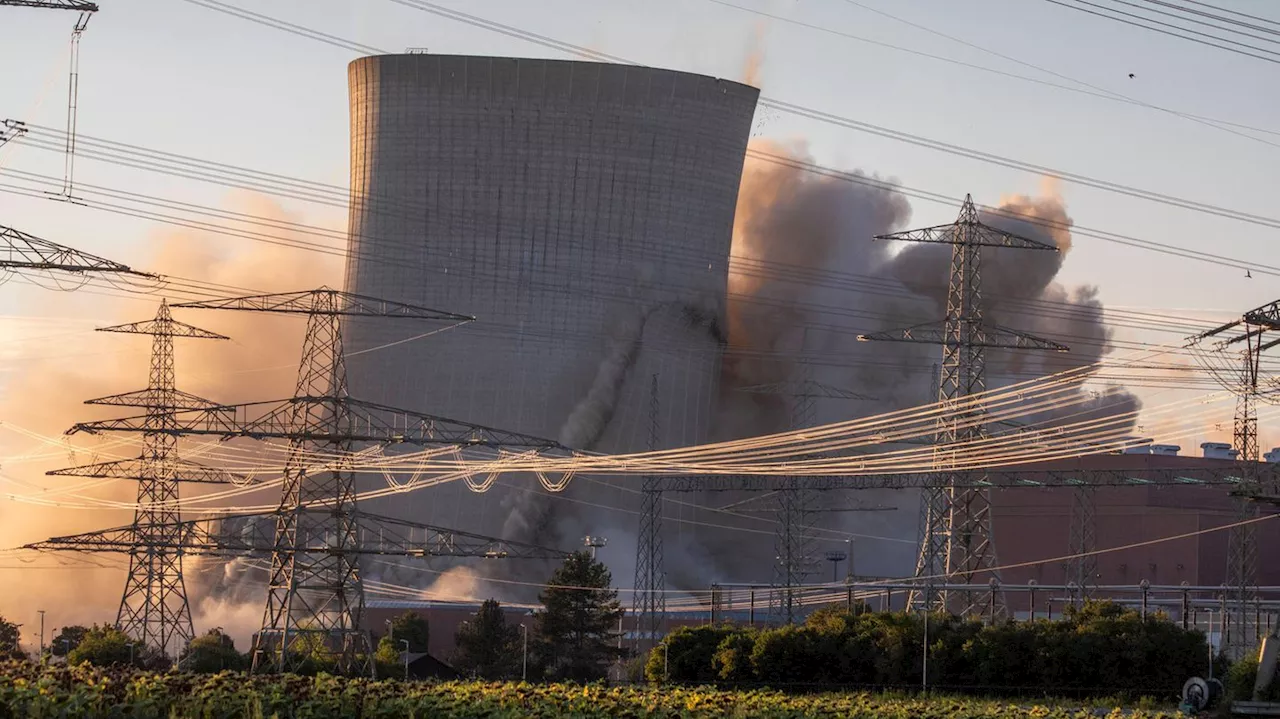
581	211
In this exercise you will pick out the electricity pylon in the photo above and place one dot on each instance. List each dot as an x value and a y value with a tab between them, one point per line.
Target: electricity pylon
793	544
956	543
154	609
649	603
315	595
1247	333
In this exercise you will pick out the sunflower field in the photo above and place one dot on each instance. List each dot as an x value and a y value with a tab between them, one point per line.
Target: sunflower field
35	692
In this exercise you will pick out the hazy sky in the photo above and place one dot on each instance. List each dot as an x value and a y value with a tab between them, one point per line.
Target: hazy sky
176	76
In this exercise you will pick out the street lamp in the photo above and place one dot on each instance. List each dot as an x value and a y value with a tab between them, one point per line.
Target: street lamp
595	543
130	645
524	652
836	558
41	611
391	629
405	642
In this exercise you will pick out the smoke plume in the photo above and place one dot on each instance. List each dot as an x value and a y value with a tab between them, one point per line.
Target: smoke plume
807	278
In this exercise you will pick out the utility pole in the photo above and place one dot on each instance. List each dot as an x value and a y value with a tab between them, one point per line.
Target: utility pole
957	543
1246	338
794	560
154	609
649	603
41	612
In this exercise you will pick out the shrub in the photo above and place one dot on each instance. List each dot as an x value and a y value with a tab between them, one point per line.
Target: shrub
1100	649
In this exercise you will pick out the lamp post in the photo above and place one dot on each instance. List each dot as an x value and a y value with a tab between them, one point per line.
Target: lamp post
524	652
836	558
391	629
130	645
405	642
1146	588
41	611
594	543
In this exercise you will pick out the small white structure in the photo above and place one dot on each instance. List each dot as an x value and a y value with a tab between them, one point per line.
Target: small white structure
1218	450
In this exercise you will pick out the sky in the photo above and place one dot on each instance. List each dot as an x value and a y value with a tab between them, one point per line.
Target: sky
181	77
177	76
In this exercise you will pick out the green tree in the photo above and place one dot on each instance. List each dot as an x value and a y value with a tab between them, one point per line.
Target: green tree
106	645
67	639
409	627
10	641
488	647
686	654
212	652
576	631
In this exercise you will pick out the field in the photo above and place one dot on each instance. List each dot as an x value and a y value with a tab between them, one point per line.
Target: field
27	690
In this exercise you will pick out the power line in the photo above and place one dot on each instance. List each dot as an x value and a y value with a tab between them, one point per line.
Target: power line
1092	91
829	118
1229	47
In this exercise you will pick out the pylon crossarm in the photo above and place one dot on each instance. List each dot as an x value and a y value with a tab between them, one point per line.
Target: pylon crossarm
18	250
179	470
170	327
1267	315
326	301
80	5
419	539
240	535
363	422
935	333
981	235
807	388
157	398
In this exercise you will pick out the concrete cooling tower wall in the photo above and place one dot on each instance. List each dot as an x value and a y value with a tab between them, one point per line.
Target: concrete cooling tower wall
583	213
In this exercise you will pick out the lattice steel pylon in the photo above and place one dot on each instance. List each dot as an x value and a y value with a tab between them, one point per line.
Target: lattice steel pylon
794	562
1082	568
649	603
315	602
154	608
957	542
1242	628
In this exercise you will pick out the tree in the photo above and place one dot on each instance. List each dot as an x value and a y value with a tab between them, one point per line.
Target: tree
10	641
106	645
576	631
488	647
67	639
409	627
212	652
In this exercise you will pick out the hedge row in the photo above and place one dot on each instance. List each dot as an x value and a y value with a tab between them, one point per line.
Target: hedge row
1100	649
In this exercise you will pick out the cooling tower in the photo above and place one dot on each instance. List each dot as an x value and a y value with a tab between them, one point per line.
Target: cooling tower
583	213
